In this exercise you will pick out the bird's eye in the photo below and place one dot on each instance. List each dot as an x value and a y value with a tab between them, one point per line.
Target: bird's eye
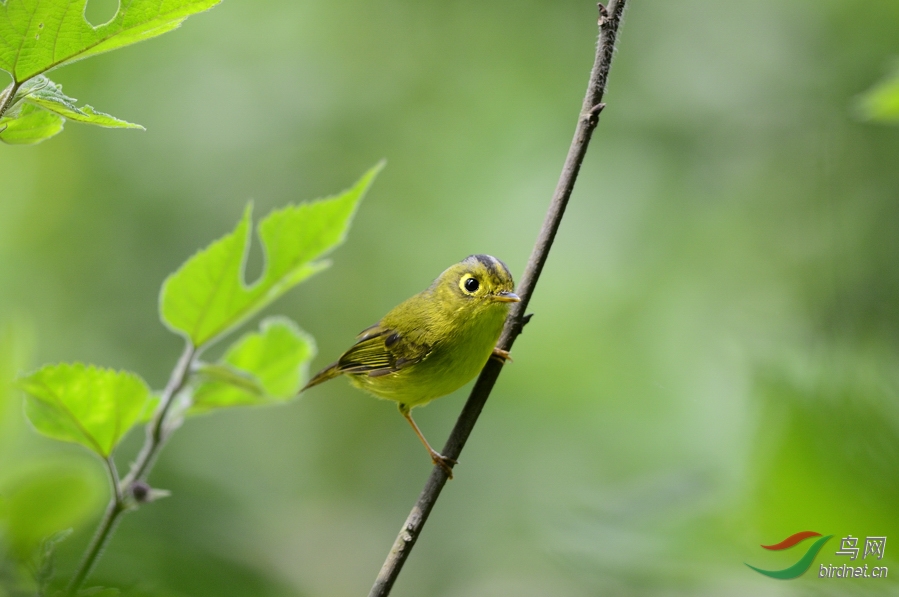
471	284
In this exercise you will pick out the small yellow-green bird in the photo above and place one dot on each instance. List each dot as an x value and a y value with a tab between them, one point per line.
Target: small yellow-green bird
433	343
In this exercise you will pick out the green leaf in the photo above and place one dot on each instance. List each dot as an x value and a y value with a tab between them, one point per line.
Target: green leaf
38	35
29	125
260	368
43	92
84	404
39	110
881	102
207	296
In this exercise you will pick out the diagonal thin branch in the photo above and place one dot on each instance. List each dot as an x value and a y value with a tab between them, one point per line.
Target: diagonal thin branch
122	490
609	22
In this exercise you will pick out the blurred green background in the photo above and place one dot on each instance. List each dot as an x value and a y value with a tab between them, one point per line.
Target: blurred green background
714	357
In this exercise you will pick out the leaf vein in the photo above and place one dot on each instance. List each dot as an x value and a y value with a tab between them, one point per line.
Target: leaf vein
15	62
72	416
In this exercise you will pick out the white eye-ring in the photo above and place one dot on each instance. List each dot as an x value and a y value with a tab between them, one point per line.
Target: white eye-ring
470	284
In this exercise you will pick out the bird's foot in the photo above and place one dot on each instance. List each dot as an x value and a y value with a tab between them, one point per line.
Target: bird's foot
445	462
501	355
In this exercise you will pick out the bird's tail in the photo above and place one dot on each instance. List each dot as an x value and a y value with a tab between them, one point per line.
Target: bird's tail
329	372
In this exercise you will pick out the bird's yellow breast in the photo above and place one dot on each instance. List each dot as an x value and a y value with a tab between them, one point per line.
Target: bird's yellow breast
464	346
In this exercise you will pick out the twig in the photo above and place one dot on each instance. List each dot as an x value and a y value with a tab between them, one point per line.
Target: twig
156	431
123	491
609	22
104	532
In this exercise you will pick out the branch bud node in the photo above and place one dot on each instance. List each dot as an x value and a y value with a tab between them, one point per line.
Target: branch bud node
140	491
143	493
603	14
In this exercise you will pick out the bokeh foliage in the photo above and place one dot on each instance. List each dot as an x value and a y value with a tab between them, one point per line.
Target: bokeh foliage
712	361
881	102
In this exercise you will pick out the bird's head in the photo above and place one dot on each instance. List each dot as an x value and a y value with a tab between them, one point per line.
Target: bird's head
476	282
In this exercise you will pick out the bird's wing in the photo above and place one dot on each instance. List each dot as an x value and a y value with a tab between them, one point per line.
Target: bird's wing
380	350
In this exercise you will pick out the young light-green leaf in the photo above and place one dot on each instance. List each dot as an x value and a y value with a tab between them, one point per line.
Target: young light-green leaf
260	368
207	296
30	125
39	110
38	35
84	404
46	94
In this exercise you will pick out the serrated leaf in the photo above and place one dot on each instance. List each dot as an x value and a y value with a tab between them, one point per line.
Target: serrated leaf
881	102
38	35
83	404
39	110
29	125
207	296
46	94
259	368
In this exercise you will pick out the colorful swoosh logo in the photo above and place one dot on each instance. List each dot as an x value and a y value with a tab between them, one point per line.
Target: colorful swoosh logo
804	562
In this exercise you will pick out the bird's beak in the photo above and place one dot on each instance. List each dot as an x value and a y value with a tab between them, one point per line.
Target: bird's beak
506	297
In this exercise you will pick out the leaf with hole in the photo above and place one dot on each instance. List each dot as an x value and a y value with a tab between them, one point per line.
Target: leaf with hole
39	35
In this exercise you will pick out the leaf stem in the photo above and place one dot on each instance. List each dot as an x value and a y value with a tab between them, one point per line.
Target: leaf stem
609	22
7	96
113	478
119	503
